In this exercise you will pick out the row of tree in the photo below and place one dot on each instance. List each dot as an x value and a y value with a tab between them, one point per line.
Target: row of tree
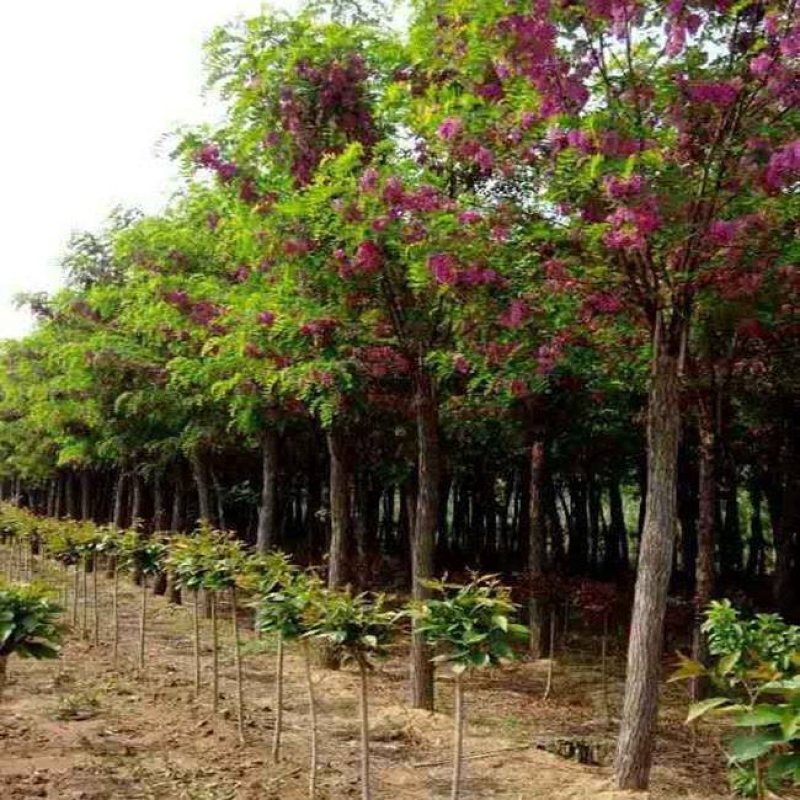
515	288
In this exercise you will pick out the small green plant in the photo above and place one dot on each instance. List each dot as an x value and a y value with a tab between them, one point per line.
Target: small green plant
288	608
757	669
357	628
471	627
28	625
142	556
273	575
109	545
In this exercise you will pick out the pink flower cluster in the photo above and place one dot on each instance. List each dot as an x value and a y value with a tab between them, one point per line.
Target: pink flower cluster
515	315
623	188
450	128
319	328
209	156
380	361
600	304
446	272
783	167
631	226
369	257
717	93
266	318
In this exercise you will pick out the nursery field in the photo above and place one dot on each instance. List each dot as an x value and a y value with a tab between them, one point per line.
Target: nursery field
76	728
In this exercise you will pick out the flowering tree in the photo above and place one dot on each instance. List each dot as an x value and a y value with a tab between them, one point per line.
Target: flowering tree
663	138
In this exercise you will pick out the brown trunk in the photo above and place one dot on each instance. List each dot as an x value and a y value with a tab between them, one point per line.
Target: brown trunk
618	532
176	516
69	495
787	531
200	475
86	495
704	565
266	536
136	501
640	707
426	521
119	501
159	509
536	546
340	507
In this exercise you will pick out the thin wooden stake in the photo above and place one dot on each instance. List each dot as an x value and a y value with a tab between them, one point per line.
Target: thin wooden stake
196	621
458	737
549	686
215	652
312	721
366	794
143	622
276	738
238	654
115	617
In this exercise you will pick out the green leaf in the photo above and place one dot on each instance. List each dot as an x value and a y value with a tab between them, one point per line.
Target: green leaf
759	716
748	748
697	710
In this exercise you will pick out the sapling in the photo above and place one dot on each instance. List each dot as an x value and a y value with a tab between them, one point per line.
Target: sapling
28	625
273	573
109	544
189	559
287	607
469	626
142	556
356	628
225	563
597	602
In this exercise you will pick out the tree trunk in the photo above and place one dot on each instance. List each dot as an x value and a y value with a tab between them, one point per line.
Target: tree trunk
177	516
787	532
266	536
159	508
755	553
86	495
118	519
536	547
69	495
617	550
640	707
704	567
579	530
340	507
424	529
200	475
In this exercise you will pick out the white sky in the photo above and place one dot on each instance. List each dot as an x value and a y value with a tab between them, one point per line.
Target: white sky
87	88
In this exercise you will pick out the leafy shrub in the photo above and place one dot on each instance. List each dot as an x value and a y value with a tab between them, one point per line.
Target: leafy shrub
757	668
28	625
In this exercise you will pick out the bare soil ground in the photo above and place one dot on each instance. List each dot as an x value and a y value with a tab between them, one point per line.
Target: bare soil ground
74	728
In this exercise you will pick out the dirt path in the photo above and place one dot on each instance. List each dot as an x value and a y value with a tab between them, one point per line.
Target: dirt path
76	729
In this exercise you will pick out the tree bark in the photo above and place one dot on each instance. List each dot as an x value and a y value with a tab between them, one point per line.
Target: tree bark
200	475
119	501
159	508
640	707
340	507
86	495
266	535
426	521
617	549
177	521
536	547
704	566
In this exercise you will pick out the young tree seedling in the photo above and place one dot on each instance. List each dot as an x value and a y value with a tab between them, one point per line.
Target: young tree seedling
470	626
